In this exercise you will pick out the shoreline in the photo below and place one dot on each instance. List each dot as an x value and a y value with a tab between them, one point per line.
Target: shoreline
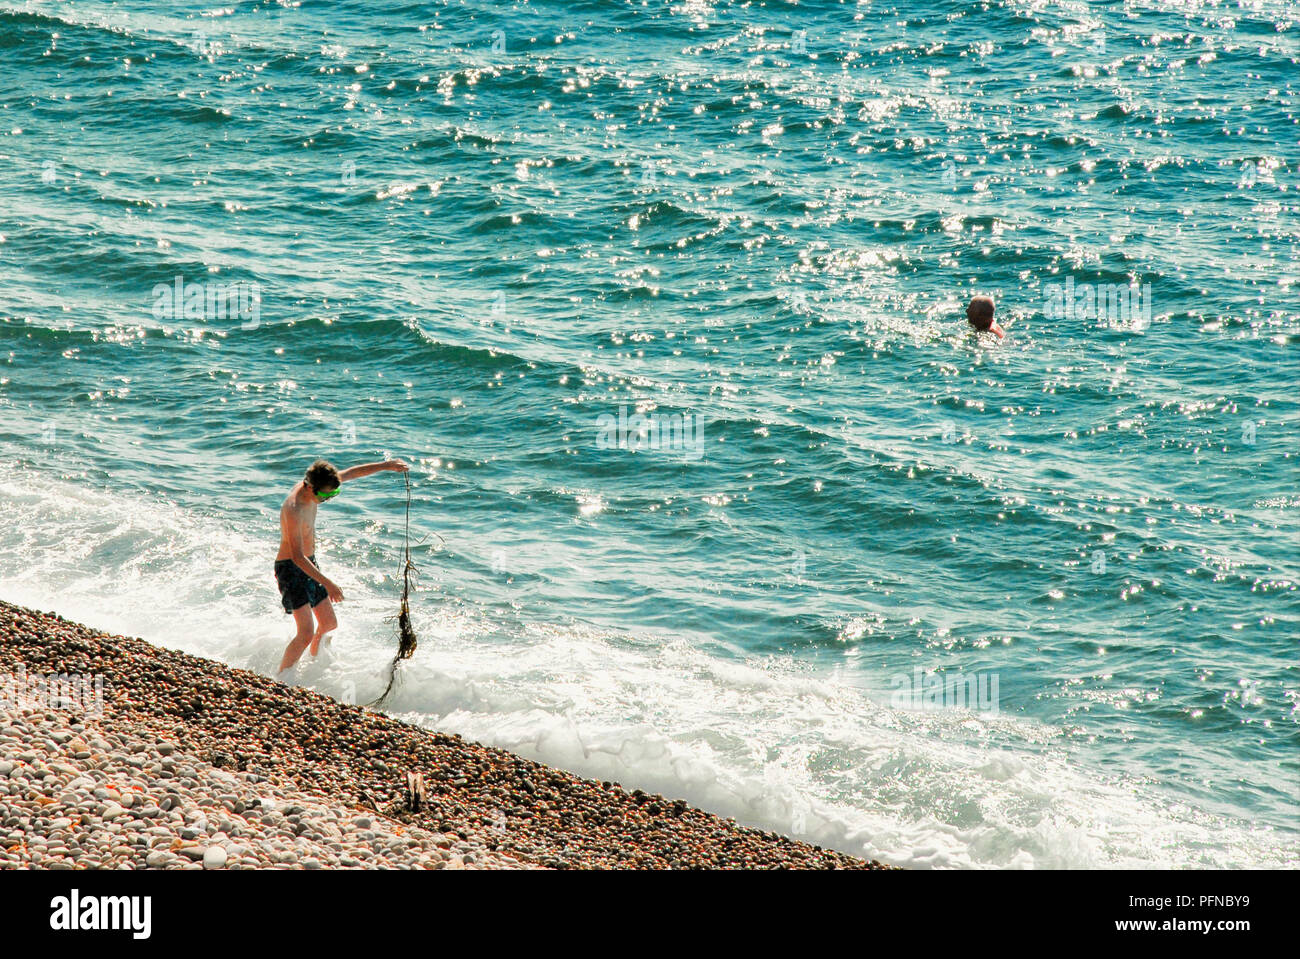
226	768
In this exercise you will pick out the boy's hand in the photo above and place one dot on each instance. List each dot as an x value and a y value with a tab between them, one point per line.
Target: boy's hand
333	591
397	466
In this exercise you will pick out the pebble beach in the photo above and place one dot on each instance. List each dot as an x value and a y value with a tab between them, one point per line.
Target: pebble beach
187	764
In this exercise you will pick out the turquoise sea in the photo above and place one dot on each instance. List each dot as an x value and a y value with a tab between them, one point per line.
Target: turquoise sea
664	303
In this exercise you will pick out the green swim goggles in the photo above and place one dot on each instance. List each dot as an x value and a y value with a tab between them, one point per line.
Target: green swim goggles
331	494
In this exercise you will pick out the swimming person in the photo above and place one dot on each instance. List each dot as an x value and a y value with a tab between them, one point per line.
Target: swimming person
304	589
980	315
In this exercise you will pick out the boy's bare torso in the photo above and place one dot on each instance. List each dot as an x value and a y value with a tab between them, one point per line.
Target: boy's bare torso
297	522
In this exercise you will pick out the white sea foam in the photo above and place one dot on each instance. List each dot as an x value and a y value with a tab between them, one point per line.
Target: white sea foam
767	742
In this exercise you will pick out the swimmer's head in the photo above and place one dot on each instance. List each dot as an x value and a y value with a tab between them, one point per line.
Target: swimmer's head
980	312
980	315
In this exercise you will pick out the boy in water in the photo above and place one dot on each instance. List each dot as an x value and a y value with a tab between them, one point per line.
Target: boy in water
304	589
980	315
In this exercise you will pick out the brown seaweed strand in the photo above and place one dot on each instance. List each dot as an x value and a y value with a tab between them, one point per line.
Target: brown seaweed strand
406	639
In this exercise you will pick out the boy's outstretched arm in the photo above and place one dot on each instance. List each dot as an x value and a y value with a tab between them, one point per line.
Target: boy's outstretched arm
356	472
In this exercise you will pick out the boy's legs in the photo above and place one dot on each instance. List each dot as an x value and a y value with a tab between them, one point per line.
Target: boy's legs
302	620
325	622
